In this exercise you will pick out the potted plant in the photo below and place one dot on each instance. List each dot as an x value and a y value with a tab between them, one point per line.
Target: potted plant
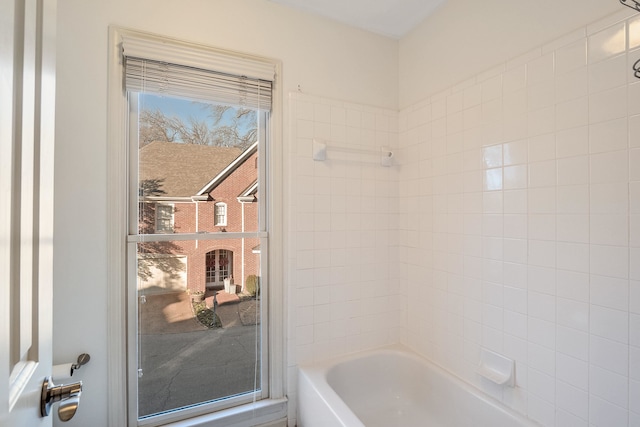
197	296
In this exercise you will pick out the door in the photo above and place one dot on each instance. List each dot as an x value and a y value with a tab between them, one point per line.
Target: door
27	102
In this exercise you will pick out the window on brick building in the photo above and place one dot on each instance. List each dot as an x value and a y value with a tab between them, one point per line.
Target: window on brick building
164	218
220	213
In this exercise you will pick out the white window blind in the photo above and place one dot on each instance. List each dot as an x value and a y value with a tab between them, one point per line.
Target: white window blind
170	69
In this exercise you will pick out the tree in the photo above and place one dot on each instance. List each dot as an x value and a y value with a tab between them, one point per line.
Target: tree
229	127
154	254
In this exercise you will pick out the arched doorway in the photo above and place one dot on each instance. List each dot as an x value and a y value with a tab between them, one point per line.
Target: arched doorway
219	266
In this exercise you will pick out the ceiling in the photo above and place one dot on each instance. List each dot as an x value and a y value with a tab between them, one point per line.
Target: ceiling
391	18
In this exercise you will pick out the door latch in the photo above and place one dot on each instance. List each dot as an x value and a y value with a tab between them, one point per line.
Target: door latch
68	395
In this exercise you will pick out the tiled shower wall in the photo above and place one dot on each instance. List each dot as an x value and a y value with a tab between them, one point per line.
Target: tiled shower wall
341	225
519	226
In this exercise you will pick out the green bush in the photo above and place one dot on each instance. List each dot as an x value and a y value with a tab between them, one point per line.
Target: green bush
252	285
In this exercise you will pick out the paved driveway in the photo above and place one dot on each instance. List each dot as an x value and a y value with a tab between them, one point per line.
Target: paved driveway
192	364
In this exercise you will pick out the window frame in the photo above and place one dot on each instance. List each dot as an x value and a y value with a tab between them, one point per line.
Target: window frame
274	407
158	220
217	223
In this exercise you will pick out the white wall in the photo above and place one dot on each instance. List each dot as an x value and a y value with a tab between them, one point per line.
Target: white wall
520	224
319	55
465	37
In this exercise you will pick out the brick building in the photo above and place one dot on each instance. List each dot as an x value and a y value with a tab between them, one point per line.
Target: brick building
186	188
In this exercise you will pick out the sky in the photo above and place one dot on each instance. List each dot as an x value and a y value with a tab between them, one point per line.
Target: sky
171	106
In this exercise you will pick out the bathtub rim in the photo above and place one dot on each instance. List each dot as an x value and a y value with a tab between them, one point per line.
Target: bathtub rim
316	373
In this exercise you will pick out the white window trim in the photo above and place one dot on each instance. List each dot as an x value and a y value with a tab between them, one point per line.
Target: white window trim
173	210
215	214
274	408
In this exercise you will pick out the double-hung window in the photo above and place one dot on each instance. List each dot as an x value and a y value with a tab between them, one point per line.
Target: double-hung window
198	123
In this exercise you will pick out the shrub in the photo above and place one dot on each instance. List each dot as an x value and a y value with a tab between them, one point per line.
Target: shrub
252	285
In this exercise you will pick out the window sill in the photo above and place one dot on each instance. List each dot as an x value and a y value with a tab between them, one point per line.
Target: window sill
251	414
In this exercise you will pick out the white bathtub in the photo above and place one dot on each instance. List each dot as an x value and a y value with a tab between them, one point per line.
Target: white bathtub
393	387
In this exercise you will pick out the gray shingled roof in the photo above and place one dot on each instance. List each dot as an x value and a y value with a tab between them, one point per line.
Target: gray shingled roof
183	168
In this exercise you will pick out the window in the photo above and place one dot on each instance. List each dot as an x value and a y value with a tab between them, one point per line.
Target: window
170	377
164	218
220	214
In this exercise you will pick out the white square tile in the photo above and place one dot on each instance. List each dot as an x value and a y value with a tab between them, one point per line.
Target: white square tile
572	371
573	142
634	164
634	296
634	329
634	263
543	120
541	279
607	43
492	248
633	90
515	201
573	170
609	229
610	261
573	285
572	113
540	69
603	413
542	200
492	156
572	314
564	418
610	198
541	357
541	410
634	32
514	79
492	202
514	127
542	227
610	386
573	342
515	226
492	88
609	323
608	105
540	95
571	57
542	174
493	179
542	147
541	306
515	152
572	228
541	384
634	131
608	74
542	253
515	299
515	274
608	136
571	399
572	256
515	324
609	355
515	177
573	199
515	250
572	85
610	167
610	292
